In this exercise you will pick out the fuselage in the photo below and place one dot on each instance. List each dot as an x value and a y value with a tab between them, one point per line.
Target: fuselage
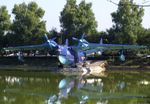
69	56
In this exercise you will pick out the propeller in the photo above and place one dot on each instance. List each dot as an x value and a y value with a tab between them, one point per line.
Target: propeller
51	42
82	41
64	48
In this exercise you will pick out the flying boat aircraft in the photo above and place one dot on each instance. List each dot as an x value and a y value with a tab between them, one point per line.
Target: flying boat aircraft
71	55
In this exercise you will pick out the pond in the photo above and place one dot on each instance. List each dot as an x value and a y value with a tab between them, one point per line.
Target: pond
112	87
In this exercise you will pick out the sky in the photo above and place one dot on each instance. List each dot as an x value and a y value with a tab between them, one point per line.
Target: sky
101	8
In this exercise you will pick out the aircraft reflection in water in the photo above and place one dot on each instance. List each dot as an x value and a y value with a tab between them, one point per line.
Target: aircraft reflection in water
73	55
78	86
87	88
51	88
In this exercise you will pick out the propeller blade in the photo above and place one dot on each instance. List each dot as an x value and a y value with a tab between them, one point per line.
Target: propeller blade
82	37
75	39
53	38
46	37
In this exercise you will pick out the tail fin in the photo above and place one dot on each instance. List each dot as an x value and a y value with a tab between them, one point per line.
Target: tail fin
101	41
66	43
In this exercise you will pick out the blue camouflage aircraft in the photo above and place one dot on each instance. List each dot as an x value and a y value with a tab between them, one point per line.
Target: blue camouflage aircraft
71	55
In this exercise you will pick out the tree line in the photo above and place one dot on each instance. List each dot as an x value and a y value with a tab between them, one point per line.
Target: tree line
28	25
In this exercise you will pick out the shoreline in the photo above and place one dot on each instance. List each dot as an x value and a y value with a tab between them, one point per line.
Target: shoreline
138	67
56	69
51	64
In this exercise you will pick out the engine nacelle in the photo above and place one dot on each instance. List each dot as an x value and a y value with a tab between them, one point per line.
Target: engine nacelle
20	56
122	57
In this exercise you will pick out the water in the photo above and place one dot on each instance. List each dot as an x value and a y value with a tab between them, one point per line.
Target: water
113	87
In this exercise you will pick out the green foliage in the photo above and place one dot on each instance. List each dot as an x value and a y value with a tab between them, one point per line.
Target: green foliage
144	37
4	24
127	23
86	22
95	38
77	19
53	33
27	28
68	17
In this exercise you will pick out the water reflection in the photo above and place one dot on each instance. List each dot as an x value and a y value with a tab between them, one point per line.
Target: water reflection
88	88
70	84
122	87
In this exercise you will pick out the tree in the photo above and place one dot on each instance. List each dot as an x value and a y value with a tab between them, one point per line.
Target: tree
5	24
127	23
68	18
86	22
28	28
53	33
77	19
144	39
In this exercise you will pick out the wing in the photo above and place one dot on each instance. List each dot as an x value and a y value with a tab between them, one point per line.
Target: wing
93	47
117	46
49	45
44	46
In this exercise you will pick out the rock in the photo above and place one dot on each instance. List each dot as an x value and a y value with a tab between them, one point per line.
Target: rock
95	67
